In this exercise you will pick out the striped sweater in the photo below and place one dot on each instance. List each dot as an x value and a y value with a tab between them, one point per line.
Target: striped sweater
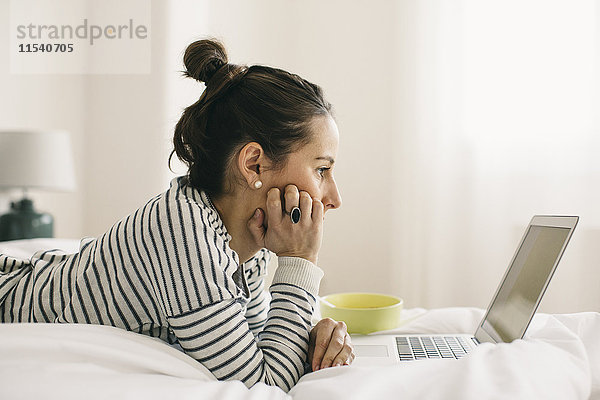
167	271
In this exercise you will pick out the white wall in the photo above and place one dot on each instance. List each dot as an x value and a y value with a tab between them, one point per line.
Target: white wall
125	163
45	101
117	123
332	44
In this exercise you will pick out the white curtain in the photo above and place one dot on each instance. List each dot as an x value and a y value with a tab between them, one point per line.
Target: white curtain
497	121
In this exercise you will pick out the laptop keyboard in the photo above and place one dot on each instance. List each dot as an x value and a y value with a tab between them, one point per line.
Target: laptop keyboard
424	347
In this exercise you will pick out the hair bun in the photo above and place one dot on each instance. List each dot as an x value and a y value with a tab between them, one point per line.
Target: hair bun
203	58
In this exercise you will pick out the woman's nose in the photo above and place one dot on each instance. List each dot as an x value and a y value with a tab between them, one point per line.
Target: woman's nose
333	199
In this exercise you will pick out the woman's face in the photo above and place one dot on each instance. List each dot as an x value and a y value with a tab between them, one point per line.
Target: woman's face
310	168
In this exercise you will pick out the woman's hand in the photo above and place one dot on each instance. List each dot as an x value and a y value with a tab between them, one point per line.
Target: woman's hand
274	230
329	345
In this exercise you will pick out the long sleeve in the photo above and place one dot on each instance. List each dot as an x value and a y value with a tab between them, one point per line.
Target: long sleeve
198	279
219	337
256	271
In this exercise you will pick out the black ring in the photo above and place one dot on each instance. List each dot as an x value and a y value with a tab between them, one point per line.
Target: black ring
295	215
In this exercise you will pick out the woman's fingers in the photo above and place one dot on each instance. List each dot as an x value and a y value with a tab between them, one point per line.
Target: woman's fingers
317	211
352	357
256	226
292	198
320	337
339	348
282	234
330	345
346	355
306	205
302	199
274	213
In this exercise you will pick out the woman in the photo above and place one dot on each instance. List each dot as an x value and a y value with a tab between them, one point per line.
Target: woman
188	267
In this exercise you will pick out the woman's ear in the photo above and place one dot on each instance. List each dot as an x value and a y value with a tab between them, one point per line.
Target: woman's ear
251	162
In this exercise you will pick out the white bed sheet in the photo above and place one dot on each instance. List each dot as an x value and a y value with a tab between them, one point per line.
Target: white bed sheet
559	360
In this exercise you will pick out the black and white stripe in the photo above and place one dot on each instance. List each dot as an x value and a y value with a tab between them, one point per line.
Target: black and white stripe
167	271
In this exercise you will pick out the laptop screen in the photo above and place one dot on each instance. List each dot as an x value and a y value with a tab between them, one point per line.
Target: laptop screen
524	283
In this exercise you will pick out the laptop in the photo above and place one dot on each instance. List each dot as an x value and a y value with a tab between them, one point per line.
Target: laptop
509	313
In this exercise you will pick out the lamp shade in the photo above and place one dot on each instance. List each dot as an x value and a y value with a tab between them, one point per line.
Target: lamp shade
36	159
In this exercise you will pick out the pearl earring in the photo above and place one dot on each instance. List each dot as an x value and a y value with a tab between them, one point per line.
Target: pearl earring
257	184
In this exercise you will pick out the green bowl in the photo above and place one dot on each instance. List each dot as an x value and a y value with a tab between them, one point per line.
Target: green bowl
363	312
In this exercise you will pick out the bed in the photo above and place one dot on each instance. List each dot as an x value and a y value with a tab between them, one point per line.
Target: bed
559	360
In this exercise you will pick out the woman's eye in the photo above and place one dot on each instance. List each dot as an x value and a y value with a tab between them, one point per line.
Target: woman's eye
322	171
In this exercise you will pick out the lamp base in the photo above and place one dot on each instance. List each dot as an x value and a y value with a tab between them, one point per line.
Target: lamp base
23	222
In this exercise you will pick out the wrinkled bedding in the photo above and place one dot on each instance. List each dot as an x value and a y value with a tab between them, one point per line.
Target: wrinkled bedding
560	359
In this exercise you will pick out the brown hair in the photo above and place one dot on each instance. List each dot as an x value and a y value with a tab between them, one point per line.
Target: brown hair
240	105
